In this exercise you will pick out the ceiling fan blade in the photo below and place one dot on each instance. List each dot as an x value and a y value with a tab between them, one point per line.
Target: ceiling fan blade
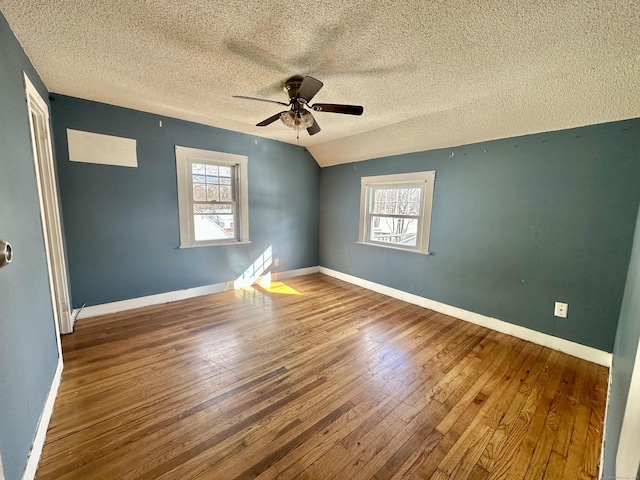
314	128
337	108
269	120
308	88
261	100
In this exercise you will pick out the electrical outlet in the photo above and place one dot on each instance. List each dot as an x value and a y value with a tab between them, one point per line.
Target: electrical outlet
276	262
561	310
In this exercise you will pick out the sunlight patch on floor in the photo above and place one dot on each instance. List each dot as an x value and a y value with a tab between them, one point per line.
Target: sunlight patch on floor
277	287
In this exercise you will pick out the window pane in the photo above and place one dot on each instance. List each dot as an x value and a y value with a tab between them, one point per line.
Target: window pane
213	194
213	222
212	183
396	201
394	230
199	193
212	208
213	227
225	193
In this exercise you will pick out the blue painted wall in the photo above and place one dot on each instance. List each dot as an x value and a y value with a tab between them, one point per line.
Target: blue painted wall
28	350
517	224
624	354
121	224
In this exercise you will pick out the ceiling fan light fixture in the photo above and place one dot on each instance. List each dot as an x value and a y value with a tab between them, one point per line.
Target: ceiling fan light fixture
297	120
300	91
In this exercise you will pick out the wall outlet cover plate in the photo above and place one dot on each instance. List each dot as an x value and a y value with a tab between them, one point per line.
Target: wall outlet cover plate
561	309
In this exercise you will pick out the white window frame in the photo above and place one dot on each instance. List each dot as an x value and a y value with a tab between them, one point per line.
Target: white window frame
423	180
185	156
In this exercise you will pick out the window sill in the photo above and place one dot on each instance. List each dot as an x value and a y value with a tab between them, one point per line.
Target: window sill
225	244
389	247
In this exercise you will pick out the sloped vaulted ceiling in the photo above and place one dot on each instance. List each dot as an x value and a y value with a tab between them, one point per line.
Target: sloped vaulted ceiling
429	74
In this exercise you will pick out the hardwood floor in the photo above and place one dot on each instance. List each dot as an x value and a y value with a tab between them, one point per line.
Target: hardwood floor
317	379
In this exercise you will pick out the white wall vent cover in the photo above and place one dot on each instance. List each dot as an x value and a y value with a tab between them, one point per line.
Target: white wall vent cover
89	147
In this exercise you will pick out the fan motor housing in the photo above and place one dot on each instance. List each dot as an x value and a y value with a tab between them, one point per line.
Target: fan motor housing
292	86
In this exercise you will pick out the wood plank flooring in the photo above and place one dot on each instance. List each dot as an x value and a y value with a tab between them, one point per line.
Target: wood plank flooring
315	378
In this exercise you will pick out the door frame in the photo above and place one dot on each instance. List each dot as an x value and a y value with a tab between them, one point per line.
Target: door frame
628	455
40	132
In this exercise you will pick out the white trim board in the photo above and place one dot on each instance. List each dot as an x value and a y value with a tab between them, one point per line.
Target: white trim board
566	346
115	307
605	420
43	425
628	455
47	189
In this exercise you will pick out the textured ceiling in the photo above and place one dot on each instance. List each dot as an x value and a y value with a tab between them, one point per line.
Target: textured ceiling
429	74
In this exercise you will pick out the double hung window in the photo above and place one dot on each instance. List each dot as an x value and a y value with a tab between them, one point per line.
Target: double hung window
212	197
395	210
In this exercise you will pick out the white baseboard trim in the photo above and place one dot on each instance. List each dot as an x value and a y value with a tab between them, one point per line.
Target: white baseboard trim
114	307
43	425
566	346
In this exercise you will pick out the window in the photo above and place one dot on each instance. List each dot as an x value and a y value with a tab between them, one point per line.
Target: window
212	197
395	210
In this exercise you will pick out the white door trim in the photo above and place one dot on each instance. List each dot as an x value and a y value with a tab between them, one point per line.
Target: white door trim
38	112
628	457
